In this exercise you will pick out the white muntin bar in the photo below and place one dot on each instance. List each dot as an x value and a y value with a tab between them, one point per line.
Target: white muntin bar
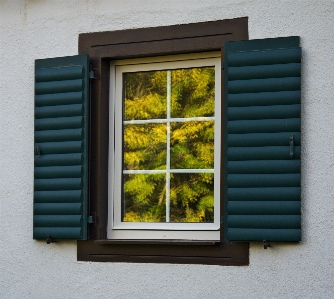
157	171
169	105
144	171
163	121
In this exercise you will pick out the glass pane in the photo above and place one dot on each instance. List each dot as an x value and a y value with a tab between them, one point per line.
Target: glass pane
191	197
144	198
165	95
145	95
192	145
193	92
145	147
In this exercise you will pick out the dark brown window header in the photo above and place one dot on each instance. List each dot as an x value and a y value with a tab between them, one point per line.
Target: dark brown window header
153	41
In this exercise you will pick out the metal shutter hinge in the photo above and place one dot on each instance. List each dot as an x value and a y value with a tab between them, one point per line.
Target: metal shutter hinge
91	219
223	65
91	75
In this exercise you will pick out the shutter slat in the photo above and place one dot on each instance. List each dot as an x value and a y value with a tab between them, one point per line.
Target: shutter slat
58	99
263	207
58	184
59	135
262	139
60	73
263	167
60	232
264	194
58	86
61	147
264	221
58	172
263	180
57	208
248	58
57	220
253	234
264	85
258	112
58	123
264	71
58	111
66	147
262	124
261	153
58	196
58	160
264	98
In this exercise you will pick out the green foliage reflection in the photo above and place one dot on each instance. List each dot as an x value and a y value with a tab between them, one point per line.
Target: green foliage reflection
191	145
145	95
193	92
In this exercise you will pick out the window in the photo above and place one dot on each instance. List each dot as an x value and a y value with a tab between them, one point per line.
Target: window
103	48
167	145
259	174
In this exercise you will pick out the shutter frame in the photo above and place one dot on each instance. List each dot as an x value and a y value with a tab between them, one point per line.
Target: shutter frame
262	197
61	148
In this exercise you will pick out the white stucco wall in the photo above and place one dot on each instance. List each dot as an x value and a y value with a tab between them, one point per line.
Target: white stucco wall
49	28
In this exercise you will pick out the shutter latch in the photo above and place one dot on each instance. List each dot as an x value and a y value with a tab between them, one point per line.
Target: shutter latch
38	150
49	239
291	146
266	244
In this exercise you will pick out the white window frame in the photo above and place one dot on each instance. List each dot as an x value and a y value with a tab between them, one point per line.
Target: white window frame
147	230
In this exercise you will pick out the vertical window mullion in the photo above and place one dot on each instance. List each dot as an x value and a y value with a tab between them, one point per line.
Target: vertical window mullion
169	94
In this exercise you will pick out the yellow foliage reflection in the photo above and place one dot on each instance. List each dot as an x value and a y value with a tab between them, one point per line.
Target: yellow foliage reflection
191	145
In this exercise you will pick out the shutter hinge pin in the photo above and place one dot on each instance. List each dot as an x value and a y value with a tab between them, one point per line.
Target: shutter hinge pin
223	65
91	75
266	244
49	239
91	219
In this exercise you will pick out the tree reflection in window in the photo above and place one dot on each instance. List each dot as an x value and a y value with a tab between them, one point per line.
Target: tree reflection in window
168	155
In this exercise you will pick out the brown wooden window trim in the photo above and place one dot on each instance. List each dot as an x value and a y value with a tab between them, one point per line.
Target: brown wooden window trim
103	47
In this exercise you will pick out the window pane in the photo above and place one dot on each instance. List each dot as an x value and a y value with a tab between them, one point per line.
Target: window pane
159	135
192	145
145	95
191	197
145	147
193	92
144	198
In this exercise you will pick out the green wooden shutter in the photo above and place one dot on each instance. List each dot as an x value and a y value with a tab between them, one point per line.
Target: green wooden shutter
61	147
262	134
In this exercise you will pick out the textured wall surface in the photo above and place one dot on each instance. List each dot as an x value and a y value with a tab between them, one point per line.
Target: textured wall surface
49	28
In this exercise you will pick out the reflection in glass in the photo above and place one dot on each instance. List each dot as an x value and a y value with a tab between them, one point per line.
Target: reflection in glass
145	95
192	145
145	146
193	92
144	198
191	197
160	134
